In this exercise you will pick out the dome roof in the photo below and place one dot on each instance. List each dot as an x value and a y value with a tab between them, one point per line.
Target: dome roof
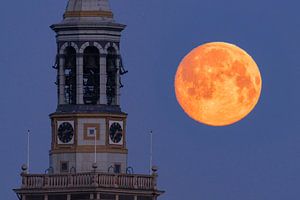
87	10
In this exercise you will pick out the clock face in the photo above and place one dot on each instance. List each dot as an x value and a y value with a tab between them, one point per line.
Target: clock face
115	133
65	132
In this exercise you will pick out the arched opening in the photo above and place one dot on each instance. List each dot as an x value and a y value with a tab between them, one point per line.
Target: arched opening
111	70
91	80
70	75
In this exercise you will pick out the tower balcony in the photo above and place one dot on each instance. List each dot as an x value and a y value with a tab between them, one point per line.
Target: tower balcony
84	180
87	182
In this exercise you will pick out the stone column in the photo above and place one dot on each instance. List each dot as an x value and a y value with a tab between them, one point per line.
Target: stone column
46	197
61	77
98	196
68	197
92	196
117	197
103	79
79	81
118	94
135	197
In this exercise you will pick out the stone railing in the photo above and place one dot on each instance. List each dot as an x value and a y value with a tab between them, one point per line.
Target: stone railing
84	180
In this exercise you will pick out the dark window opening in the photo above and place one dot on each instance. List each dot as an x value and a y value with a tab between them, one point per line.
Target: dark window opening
117	169
91	79
70	75
111	70
108	196
35	197
144	198
57	197
64	167
80	196
126	197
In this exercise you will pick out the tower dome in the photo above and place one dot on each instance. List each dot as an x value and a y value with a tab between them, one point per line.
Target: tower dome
88	10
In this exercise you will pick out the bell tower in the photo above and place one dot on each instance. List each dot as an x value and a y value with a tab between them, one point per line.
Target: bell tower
88	127
88	155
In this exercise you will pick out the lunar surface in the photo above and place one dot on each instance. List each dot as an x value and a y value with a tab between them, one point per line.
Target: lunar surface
218	84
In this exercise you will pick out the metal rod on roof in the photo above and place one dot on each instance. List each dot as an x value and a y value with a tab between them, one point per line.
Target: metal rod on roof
28	150
151	151
95	156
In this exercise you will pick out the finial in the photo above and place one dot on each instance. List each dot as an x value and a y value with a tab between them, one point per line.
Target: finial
154	169
73	170
49	170
24	168
95	166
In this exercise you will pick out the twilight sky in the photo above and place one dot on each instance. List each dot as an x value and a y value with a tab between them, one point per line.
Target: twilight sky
255	159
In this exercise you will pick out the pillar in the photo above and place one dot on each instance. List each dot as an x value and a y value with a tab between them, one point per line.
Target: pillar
103	79
61	77
79	81
117	100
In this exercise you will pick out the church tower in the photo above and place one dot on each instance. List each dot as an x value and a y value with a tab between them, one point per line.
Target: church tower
89	68
88	156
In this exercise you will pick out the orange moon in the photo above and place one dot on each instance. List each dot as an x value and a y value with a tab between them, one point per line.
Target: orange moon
218	84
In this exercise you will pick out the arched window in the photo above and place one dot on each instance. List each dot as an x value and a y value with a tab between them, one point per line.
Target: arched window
91	80
111	70
70	75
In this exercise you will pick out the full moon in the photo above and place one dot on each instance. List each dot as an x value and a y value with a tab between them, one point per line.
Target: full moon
218	84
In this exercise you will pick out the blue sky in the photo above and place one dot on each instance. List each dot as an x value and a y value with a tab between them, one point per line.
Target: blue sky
257	158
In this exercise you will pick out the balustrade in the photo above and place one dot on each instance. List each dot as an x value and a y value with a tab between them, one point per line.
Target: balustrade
126	181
